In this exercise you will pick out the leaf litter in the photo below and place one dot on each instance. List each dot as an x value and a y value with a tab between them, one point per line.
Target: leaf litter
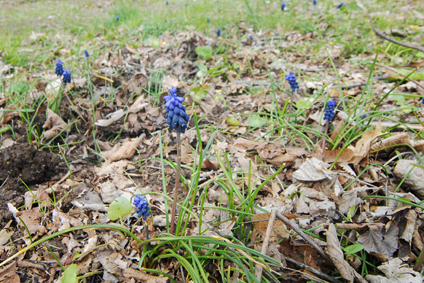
111	144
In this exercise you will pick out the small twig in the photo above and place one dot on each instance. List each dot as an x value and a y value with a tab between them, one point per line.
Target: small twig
314	271
299	231
258	272
388	38
177	183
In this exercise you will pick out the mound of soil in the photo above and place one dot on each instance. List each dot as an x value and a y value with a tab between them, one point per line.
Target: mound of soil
23	163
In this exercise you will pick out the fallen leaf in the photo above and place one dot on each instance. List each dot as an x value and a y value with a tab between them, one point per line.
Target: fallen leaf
395	271
144	277
54	123
124	150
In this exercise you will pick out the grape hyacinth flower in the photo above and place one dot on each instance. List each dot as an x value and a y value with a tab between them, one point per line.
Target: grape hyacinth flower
66	76
329	111
167	3
422	101
208	20
86	53
176	116
117	18
218	32
283	5
315	2
59	68
340	5
291	78
251	37
142	206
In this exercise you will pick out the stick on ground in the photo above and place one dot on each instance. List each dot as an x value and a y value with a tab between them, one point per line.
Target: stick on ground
258	271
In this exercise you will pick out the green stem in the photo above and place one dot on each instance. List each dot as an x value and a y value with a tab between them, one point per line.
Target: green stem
177	183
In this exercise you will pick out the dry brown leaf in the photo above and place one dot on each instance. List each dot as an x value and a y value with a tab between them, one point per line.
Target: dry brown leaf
402	138
331	155
169	81
362	146
124	150
144	277
395	271
383	243
8	274
337	256
5	236
260	224
111	118
54	123
31	218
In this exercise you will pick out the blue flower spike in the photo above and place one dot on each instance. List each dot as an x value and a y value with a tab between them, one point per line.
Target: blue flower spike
218	32
329	111
141	206
66	76
176	116
251	37
315	2
291	78
340	5
86	53
283	6
117	18
59	68
208	20
422	101
167	3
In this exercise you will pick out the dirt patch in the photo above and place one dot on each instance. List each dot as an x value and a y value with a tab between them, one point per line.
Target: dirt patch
23	163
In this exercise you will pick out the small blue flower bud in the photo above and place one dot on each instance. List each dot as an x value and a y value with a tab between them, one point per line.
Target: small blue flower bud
329	111
315	2
208	20
283	5
218	32
141	206
66	76
86	53
59	68
117	18
340	5
251	37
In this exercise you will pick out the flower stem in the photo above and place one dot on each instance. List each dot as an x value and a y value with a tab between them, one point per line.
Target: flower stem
177	183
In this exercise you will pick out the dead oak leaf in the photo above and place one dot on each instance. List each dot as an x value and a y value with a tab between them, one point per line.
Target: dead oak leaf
144	277
363	145
381	243
124	150
54	123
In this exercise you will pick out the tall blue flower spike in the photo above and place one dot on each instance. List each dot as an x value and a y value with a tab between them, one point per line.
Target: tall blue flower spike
86	53
142	206
176	116
59	68
329	111
66	76
291	78
315	2
283	5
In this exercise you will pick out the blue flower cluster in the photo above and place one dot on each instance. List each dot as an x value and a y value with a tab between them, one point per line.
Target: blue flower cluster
329	111
176	116
218	32
86	53
66	76
142	206
340	5
283	5
291	78
60	71
59	68
315	2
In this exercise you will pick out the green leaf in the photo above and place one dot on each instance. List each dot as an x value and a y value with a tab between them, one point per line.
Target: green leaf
303	103
120	207
70	274
232	121
198	93
256	121
205	52
202	67
353	249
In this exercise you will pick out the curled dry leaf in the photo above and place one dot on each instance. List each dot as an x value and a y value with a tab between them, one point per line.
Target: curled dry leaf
337	256
414	179
143	277
395	271
124	150
54	123
313	169
111	118
363	145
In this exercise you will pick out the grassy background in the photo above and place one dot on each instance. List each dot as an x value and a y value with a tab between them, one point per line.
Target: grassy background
69	27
